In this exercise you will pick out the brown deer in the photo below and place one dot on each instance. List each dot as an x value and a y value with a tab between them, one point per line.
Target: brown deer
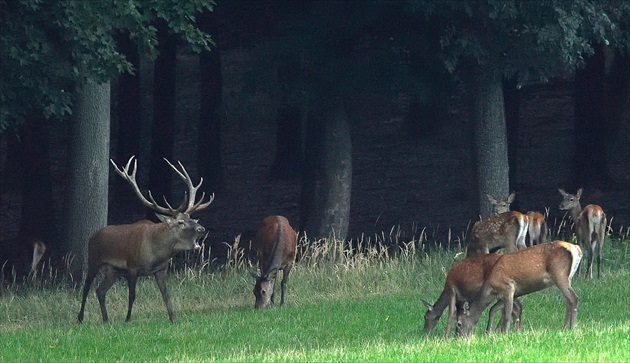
523	272
276	243
144	247
506	230
590	227
536	224
463	282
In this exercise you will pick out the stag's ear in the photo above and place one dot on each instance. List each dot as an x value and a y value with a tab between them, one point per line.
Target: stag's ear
428	306
166	219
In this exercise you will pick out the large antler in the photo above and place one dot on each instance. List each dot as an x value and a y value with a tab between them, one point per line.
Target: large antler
192	196
188	206
131	178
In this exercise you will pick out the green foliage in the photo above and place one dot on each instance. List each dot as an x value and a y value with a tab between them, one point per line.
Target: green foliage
50	46
536	39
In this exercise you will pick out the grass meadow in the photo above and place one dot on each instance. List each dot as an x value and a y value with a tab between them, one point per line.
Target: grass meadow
343	304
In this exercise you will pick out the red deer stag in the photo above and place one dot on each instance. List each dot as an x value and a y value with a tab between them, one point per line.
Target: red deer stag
144	247
523	272
505	230
537	226
276	243
590	227
463	283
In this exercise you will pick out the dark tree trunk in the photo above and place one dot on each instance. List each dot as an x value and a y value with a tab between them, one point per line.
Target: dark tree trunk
327	178
209	156
512	101
490	135
590	127
129	119
616	110
87	191
163	115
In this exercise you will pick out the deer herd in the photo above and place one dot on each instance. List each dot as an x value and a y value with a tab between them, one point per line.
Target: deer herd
528	263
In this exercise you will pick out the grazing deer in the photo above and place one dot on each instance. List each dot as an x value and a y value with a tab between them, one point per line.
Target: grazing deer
276	243
523	272
463	282
505	230
590	227
144	247
536	224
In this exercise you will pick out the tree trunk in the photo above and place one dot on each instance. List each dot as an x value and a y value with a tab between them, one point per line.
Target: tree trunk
590	125
86	205
327	178
209	156
490	135
129	119
288	160
163	115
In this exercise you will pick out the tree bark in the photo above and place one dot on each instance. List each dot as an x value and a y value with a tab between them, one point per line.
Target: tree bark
512	100
490	135
163	115
327	178
86	204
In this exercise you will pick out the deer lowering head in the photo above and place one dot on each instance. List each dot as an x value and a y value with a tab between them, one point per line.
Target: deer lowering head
463	282
523	272
144	247
506	230
276	245
590	227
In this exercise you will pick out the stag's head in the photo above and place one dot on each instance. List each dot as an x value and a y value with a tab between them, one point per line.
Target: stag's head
186	232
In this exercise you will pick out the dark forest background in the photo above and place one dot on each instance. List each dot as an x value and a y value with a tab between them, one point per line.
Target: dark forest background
293	90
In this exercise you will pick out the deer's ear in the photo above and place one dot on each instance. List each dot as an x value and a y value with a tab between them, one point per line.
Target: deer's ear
562	192
510	198
579	193
254	275
427	305
491	199
165	219
466	307
271	274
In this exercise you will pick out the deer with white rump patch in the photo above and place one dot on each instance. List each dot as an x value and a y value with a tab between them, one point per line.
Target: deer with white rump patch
144	247
463	283
590	227
536	224
523	272
276	243
506	230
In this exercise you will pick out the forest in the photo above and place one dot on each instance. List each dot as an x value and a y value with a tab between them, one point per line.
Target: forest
350	118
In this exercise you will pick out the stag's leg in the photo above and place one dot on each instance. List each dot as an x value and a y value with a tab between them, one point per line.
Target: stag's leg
160	279
285	279
110	277
86	289
132	279
493	311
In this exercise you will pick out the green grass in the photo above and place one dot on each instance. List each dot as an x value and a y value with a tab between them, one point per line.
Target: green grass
362	307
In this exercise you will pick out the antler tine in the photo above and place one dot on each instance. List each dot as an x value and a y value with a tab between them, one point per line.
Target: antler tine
131	179
192	189
198	206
